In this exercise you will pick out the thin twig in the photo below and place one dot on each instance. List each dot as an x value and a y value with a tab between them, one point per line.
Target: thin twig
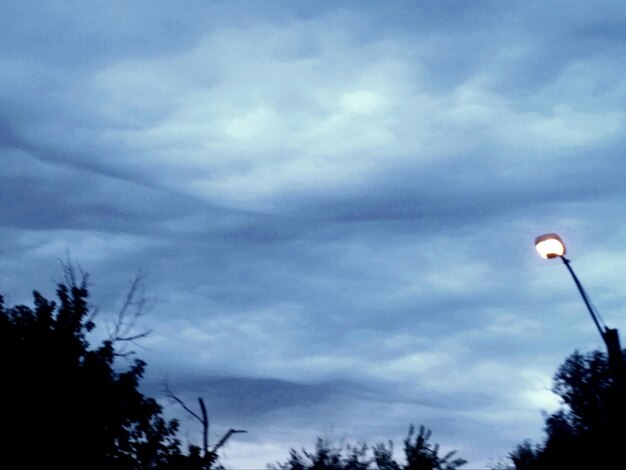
171	395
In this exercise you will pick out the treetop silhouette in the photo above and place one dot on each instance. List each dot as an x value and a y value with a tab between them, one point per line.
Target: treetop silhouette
419	453
66	404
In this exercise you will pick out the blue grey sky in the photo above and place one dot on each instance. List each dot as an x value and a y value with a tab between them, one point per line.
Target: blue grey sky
334	203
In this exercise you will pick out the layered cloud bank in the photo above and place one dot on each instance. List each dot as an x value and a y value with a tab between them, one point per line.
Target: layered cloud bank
334	203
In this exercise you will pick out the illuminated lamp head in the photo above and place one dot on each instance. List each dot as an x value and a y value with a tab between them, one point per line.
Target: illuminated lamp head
550	245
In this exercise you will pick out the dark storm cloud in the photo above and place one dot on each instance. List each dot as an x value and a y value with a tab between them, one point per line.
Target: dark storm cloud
251	398
41	195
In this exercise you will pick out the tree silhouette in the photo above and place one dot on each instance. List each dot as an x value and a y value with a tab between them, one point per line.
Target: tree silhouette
208	454
67	405
583	433
419	454
383	457
525	456
327	457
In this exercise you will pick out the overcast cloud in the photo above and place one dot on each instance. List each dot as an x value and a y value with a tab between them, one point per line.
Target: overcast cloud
334	203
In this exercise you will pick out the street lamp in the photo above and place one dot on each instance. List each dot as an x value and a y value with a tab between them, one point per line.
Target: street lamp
551	246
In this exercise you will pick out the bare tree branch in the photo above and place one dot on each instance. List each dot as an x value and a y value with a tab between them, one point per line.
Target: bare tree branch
171	395
225	438
134	306
205	426
209	455
69	269
134	337
135	300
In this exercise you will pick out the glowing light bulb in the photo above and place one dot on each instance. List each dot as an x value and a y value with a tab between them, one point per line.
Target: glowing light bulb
550	245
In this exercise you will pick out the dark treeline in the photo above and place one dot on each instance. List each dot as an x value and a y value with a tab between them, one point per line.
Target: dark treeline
419	454
68	404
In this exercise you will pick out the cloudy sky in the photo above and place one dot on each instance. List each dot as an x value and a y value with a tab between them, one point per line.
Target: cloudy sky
334	203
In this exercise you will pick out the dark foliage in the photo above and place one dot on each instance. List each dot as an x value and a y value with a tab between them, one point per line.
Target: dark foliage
587	431
419	455
66	404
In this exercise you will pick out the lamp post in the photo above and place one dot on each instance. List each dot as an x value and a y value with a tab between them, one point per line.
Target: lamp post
551	246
